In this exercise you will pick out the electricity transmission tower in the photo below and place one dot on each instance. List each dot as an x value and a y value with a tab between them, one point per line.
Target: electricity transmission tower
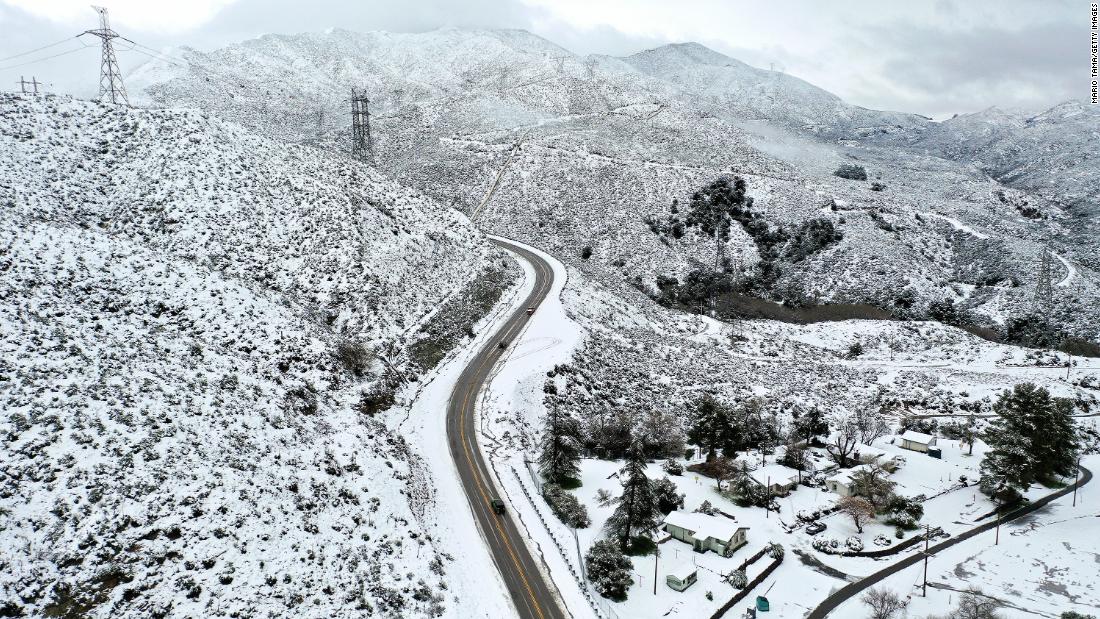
361	146
24	83
110	78
1043	303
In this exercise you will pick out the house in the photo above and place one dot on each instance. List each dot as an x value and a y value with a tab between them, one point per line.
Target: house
682	576
704	532
778	479
869	454
841	483
916	441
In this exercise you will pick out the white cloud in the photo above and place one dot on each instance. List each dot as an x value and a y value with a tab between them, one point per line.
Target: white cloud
163	16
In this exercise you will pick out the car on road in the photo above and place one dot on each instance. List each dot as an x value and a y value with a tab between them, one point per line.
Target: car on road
530	311
497	505
815	527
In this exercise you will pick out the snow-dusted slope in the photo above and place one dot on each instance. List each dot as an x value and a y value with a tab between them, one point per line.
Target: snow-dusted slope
189	316
732	88
564	151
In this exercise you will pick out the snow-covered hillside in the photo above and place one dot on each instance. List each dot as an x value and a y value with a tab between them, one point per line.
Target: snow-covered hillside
198	326
566	151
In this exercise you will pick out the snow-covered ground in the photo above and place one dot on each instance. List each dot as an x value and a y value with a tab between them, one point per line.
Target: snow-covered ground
193	320
1044	564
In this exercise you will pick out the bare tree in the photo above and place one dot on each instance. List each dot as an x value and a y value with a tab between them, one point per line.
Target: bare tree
871	425
884	603
975	605
844	441
858	509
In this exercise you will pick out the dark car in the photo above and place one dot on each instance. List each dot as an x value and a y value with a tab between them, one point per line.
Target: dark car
530	311
497	505
815	527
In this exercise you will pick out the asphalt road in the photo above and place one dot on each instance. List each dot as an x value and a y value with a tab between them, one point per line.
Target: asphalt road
850	590
534	597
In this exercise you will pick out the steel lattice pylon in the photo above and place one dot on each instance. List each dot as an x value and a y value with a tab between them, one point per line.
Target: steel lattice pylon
361	147
110	77
1043	302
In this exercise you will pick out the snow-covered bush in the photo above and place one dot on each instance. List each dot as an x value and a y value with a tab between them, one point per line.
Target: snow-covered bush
854	544
774	550
566	506
737	579
851	172
609	569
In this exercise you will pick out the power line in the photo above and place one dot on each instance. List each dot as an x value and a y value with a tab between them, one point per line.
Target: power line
38	49
30	62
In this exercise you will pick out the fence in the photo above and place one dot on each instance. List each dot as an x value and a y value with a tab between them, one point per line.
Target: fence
602	609
755	582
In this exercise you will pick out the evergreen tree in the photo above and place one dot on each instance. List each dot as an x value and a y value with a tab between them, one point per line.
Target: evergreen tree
710	425
636	511
668	499
811	424
559	460
609	570
1032	439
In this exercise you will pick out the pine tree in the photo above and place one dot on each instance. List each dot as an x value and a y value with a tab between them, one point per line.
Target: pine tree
636	510
710	425
559	460
1032	439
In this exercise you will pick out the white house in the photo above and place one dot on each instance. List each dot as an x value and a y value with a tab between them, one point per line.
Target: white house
682	576
704	532
869	454
917	441
841	482
776	477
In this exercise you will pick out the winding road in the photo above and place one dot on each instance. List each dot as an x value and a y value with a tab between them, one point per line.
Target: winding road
532	592
852	589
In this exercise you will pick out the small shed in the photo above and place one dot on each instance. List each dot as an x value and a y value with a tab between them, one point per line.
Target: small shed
917	441
682	576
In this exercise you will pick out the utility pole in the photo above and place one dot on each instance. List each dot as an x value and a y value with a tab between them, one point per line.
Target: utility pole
656	557
24	83
997	535
110	77
927	534
1076	478
361	146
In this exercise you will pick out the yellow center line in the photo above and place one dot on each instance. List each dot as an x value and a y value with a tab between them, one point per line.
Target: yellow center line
476	469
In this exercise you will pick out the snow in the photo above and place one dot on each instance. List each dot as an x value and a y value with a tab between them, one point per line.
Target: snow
1071	271
178	417
703	526
918	437
958	225
1041	567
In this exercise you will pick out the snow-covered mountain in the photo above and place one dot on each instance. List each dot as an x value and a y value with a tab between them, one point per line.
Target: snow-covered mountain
567	151
1051	154
199	326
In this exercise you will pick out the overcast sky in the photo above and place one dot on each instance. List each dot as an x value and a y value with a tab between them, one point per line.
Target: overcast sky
935	57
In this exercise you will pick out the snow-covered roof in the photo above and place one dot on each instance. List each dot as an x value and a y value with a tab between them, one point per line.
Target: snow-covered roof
844	476
778	473
703	526
683	571
917	437
870	451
